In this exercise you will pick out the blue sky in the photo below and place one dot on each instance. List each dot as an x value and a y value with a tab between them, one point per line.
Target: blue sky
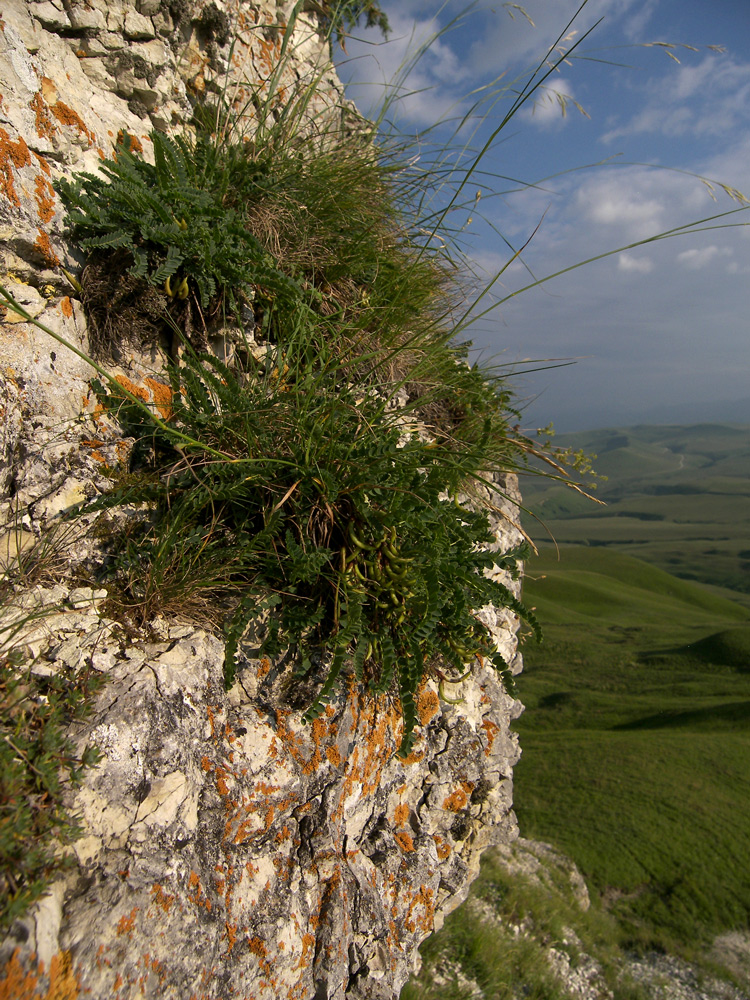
660	333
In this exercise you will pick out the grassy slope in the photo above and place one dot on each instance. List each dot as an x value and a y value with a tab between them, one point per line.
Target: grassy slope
678	497
636	748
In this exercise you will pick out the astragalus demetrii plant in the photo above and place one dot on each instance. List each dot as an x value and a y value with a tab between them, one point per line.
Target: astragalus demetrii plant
293	485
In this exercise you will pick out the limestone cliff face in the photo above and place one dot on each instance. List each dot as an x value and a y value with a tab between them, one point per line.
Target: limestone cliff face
228	850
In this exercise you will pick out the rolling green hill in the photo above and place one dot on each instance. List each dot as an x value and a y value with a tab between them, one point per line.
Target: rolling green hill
636	745
677	497
636	765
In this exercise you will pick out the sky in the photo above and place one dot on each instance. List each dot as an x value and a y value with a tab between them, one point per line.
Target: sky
658	333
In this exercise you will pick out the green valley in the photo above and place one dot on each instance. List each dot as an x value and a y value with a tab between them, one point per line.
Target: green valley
677	497
636	747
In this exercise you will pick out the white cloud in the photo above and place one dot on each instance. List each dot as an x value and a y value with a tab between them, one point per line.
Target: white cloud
711	98
621	202
696	259
637	265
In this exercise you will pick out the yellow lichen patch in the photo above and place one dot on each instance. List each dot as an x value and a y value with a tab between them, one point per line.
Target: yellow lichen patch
12	155
456	801
404	841
428	705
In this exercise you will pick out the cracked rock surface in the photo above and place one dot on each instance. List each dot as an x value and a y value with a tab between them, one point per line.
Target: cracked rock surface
228	850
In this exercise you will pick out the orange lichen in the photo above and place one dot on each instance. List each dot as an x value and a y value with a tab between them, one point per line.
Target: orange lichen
12	154
264	667
45	127
221	783
308	947
404	841
231	930
43	165
135	146
126	925
162	395
428	705
257	947
132	388
44	246
333	755
491	729
67	116
45	198
17	983
423	898
443	847
195	893
162	898
456	801
401	814
66	306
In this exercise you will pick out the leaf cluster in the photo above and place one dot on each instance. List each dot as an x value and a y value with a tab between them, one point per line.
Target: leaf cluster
340	16
295	488
169	217
303	505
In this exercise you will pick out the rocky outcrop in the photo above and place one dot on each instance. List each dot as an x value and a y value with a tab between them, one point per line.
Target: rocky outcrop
227	850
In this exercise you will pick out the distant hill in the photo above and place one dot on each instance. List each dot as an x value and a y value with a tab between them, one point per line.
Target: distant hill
676	496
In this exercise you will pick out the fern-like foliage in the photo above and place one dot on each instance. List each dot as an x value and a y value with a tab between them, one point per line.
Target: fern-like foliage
170	217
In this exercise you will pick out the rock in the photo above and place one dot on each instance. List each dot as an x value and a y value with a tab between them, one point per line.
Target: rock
245	851
137	27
